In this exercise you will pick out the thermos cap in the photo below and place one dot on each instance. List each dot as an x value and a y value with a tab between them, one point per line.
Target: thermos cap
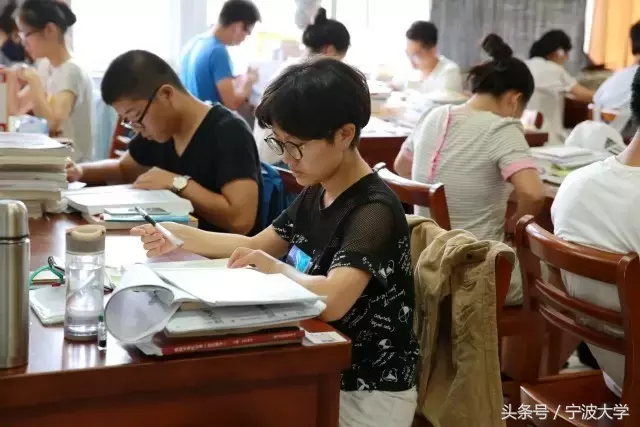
86	239
14	220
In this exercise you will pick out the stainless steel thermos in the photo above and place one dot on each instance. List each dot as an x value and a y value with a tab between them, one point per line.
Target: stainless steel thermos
14	284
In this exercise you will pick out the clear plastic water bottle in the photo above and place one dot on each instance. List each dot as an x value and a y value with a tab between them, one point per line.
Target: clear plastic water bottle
84	277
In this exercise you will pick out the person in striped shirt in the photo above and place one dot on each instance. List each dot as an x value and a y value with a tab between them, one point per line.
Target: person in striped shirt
479	152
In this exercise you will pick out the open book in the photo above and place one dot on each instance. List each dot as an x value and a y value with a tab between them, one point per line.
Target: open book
148	298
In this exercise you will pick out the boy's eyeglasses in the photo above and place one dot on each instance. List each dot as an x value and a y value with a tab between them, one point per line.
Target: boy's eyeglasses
138	125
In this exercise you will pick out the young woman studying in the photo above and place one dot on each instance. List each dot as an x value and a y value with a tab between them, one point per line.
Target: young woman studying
64	94
479	152
547	57
324	37
347	230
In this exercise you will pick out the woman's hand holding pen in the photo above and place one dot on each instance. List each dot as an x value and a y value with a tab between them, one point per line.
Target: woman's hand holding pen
154	242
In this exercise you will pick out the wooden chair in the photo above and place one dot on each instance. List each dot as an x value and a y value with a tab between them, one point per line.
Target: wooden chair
409	192
532	119
415	193
547	297
289	181
119	141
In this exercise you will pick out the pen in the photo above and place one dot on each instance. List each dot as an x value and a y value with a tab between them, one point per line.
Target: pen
166	233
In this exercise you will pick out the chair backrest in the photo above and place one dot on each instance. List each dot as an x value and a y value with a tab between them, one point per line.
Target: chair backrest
548	295
532	119
409	192
119	140
419	194
289	181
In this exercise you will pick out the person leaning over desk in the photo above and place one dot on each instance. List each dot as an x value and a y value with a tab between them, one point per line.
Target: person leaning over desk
346	237
60	91
203	153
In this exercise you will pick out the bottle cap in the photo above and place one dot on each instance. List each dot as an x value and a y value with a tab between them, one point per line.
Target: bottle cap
14	220
86	239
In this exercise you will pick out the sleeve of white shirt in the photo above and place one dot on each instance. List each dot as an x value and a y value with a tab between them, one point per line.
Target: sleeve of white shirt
452	80
566	81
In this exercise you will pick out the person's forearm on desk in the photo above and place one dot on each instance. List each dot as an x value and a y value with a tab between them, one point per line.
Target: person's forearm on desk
235	210
101	172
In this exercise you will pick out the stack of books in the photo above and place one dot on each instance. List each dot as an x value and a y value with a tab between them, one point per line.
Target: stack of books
32	170
167	310
114	206
557	161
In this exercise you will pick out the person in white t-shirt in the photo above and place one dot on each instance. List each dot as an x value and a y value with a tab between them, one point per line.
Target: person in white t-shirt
437	73
479	152
596	206
546	61
615	92
65	98
324	37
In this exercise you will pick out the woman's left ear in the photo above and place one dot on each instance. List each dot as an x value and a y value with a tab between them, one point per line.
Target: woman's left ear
345	135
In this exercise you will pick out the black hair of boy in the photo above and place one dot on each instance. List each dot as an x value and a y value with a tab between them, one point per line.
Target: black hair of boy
549	43
634	35
136	75
423	32
38	13
244	11
503	73
326	32
313	99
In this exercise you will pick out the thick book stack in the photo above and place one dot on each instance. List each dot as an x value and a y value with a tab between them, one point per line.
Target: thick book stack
114	206
171	309
32	170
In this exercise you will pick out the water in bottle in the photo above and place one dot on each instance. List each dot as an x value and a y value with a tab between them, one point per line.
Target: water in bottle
84	277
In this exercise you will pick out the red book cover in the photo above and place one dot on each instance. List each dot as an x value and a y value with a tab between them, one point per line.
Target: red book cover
164	346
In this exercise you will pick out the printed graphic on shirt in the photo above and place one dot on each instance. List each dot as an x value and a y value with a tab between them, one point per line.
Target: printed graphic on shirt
298	259
371	236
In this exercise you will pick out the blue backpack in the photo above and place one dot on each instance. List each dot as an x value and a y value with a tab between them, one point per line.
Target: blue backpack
274	197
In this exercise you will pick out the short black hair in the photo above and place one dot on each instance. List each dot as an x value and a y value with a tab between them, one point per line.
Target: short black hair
634	34
503	73
244	11
38	13
635	97
315	98
549	43
7	22
423	32
136	75
326	32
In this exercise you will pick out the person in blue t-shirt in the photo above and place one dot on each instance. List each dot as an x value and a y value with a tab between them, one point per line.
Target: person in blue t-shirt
205	64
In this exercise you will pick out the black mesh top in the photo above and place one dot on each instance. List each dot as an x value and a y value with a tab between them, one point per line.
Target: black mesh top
364	228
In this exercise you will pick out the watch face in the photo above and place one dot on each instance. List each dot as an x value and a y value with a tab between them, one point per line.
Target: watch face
179	182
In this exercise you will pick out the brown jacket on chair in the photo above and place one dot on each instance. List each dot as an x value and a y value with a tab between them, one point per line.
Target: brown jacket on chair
455	322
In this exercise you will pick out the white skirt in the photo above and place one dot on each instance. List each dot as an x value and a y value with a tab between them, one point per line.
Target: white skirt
378	408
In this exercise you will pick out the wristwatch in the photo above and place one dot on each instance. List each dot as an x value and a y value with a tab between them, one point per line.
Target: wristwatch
179	182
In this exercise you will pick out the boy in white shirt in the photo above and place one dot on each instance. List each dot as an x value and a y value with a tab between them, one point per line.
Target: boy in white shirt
436	71
615	92
596	206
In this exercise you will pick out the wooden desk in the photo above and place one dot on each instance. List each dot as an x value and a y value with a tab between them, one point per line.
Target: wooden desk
384	148
68	384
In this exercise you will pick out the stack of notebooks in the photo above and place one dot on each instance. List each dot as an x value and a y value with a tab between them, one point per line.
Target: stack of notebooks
555	162
32	170
166	310
114	206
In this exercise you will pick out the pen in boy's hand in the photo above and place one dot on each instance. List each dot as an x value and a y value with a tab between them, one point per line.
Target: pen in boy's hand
166	233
